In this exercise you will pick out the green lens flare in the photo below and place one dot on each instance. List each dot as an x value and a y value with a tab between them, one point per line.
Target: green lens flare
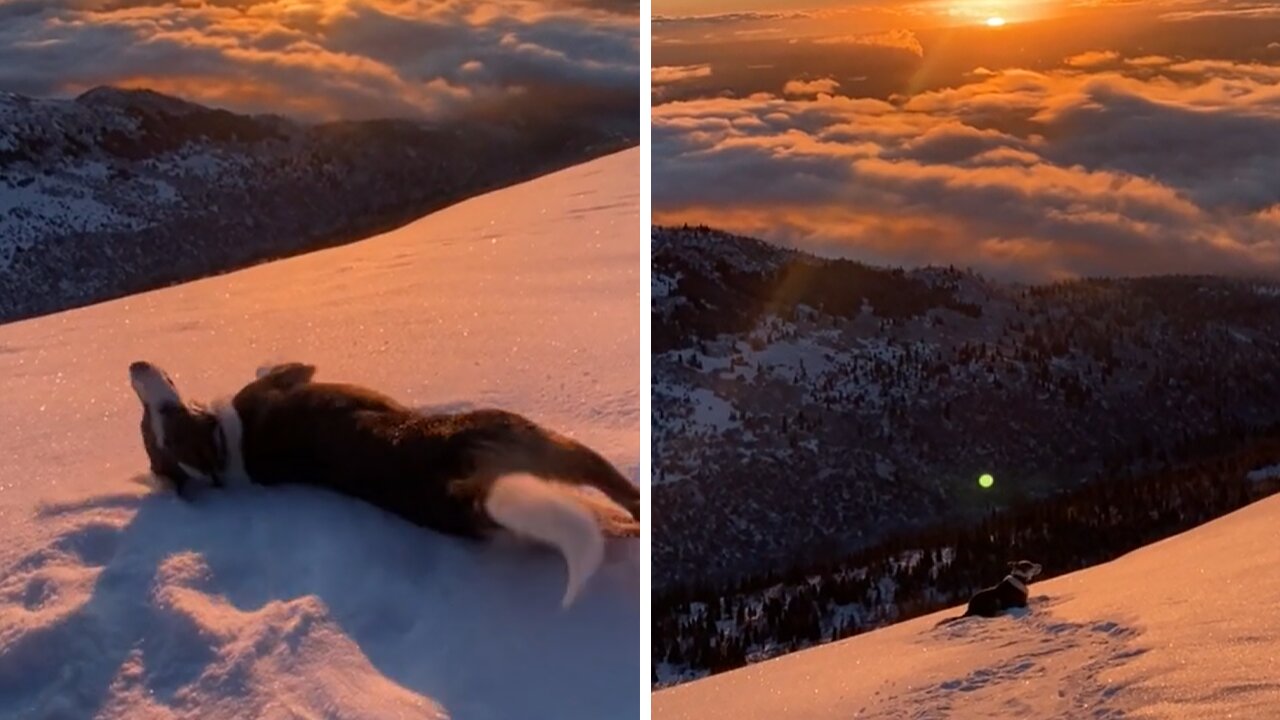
986	480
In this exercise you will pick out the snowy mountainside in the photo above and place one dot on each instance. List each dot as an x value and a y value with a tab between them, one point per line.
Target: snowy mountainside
117	601
707	629
118	191
806	407
1186	627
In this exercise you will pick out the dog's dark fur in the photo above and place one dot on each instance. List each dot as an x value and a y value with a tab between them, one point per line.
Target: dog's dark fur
434	470
438	471
1012	592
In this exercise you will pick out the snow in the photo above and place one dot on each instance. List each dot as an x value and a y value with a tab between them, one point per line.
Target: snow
1187	627
203	163
796	356
118	601
663	286
711	410
1270	472
27	211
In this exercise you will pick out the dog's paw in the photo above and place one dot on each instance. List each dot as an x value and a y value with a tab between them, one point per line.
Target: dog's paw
178	485
265	369
619	528
286	375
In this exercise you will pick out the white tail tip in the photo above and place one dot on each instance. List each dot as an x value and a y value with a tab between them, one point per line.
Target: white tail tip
540	510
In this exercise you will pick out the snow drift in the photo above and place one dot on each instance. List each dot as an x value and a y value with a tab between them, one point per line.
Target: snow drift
118	601
1187	627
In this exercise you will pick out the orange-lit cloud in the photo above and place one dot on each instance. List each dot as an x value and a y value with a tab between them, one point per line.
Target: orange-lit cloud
901	39
1149	61
728	18
1093	59
1142	167
820	86
676	73
1257	11
325	60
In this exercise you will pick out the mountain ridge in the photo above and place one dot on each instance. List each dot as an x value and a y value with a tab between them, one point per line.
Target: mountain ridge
118	191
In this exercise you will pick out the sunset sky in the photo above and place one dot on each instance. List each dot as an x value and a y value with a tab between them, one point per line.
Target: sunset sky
327	59
1030	140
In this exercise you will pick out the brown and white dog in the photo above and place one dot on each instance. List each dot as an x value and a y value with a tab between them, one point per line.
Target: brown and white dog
1010	593
465	474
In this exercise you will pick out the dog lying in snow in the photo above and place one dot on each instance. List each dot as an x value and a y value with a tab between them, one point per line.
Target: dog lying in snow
465	474
1011	593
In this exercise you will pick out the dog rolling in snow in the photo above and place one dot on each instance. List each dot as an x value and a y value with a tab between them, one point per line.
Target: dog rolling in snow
1011	593
466	474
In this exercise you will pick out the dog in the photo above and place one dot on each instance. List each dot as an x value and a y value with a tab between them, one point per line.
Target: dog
467	474
1010	593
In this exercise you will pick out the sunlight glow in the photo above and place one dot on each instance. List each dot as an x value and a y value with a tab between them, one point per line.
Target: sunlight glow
995	22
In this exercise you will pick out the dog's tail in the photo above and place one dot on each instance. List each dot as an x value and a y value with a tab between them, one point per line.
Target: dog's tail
537	509
517	445
948	621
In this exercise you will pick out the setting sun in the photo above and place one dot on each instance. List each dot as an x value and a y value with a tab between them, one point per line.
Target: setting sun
995	22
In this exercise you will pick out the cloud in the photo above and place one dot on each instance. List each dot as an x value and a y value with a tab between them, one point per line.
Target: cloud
1149	61
730	18
1135	169
1252	12
901	39
324	60
1093	59
668	74
821	86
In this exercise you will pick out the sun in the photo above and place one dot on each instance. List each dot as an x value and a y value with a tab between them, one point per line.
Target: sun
995	22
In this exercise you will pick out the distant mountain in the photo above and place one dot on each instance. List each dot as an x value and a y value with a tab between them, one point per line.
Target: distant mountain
805	408
119	191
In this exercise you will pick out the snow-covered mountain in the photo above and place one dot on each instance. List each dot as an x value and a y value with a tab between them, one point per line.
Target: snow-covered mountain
117	601
1187	627
707	629
805	408
118	191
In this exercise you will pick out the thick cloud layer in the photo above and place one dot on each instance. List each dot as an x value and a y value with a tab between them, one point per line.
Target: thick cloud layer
1109	162
326	59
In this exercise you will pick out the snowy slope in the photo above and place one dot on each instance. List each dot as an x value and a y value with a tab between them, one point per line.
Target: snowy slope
121	602
1187	627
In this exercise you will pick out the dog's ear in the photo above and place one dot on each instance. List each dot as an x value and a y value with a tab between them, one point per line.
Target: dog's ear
287	375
